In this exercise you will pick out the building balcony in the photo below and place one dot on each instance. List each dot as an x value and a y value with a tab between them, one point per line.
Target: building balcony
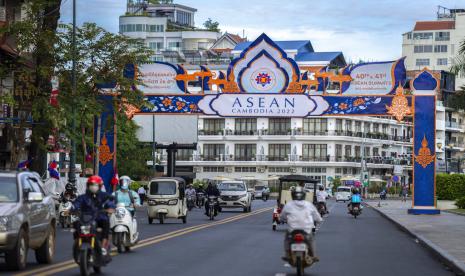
2	14
454	126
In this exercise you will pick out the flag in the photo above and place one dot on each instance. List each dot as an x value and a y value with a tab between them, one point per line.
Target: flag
24	164
54	95
53	170
115	180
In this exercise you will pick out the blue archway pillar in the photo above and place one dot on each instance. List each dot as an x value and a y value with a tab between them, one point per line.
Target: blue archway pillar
424	157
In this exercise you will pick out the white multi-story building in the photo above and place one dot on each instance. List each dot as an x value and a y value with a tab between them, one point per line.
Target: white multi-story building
169	30
261	149
435	44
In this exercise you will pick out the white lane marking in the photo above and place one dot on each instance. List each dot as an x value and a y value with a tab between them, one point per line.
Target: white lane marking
280	274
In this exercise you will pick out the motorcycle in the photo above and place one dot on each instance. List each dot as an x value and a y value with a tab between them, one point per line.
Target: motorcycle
124	229
355	210
190	202
65	218
299	253
200	199
88	251
212	210
322	209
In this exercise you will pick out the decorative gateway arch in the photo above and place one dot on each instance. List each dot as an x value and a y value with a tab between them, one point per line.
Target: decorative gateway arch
264	82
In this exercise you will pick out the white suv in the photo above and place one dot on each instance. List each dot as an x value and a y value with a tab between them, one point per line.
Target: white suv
234	194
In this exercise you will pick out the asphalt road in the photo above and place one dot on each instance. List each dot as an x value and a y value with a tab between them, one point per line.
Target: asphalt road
244	244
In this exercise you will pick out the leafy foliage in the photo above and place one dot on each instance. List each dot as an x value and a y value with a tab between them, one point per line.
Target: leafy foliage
211	25
450	186
457	100
460	202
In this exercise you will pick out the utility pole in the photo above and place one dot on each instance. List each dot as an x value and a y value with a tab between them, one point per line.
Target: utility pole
72	161
364	175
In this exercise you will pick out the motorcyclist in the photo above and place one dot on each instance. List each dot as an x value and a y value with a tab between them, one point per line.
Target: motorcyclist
355	199
200	196
95	201
211	190
125	195
69	194
190	191
321	196
300	215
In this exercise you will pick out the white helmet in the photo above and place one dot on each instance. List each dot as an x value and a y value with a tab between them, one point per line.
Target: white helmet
124	182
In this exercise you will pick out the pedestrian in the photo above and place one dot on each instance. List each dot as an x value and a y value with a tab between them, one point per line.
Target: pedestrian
141	191
404	193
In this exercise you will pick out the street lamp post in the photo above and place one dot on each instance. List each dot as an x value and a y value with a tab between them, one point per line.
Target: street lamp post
72	162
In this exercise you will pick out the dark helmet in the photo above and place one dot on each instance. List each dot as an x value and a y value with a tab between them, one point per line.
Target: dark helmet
355	191
321	188
298	193
69	187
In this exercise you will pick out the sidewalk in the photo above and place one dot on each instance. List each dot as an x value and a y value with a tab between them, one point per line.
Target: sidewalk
443	234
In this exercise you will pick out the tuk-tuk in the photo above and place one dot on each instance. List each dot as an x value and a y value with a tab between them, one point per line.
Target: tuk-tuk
166	199
284	193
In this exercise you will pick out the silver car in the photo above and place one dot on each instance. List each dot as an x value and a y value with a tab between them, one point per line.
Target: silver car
234	194
27	219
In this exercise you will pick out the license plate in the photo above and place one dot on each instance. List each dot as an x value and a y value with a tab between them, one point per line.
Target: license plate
298	247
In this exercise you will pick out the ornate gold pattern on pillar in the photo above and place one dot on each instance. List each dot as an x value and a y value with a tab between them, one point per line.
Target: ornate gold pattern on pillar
424	157
105	155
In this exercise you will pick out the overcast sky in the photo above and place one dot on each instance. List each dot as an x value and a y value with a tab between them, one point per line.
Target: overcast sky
361	29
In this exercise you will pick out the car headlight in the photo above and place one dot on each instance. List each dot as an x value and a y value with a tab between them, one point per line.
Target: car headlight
120	213
243	197
85	229
152	202
173	202
8	223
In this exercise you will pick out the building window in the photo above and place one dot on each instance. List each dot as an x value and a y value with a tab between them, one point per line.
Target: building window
338	152
348	125
279	126
313	170
339	170
422	62
423	49
279	169
184	154
155	28
320	178
366	127
174	46
440	48
442	36
314	152
339	125
245	169
213	169
409	35
156	46
212	152
213	126
358	127
315	126
348	150
422	35
245	126
278	152
203	45
375	152
357	151
245	152
442	61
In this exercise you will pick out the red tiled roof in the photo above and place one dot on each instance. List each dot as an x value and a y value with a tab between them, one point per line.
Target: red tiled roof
434	25
237	38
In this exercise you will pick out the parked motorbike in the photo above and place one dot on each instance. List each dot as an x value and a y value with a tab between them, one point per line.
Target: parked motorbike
200	199
190	202
124	229
299	251
212	210
88	251
382	195
65	218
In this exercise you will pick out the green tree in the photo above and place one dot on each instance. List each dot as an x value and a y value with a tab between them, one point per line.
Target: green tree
211	25
457	101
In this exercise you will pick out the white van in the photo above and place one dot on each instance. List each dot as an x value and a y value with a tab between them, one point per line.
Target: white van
343	193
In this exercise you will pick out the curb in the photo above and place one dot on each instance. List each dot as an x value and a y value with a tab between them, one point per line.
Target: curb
456	266
452	212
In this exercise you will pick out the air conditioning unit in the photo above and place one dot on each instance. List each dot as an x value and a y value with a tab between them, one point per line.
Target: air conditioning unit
197	169
229	169
261	169
293	170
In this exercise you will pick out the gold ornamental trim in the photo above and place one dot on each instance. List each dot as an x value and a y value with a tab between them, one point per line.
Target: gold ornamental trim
399	107
105	155
424	157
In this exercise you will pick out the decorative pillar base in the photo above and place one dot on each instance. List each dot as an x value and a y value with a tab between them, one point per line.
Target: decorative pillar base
424	211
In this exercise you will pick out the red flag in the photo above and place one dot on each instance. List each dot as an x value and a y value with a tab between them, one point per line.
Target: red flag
54	95
115	180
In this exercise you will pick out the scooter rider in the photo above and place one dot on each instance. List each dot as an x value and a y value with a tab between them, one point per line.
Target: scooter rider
190	191
321	196
355	199
211	190
300	215
96	201
69	194
125	195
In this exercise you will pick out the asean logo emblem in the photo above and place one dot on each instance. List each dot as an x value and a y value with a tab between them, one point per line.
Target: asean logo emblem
263	79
